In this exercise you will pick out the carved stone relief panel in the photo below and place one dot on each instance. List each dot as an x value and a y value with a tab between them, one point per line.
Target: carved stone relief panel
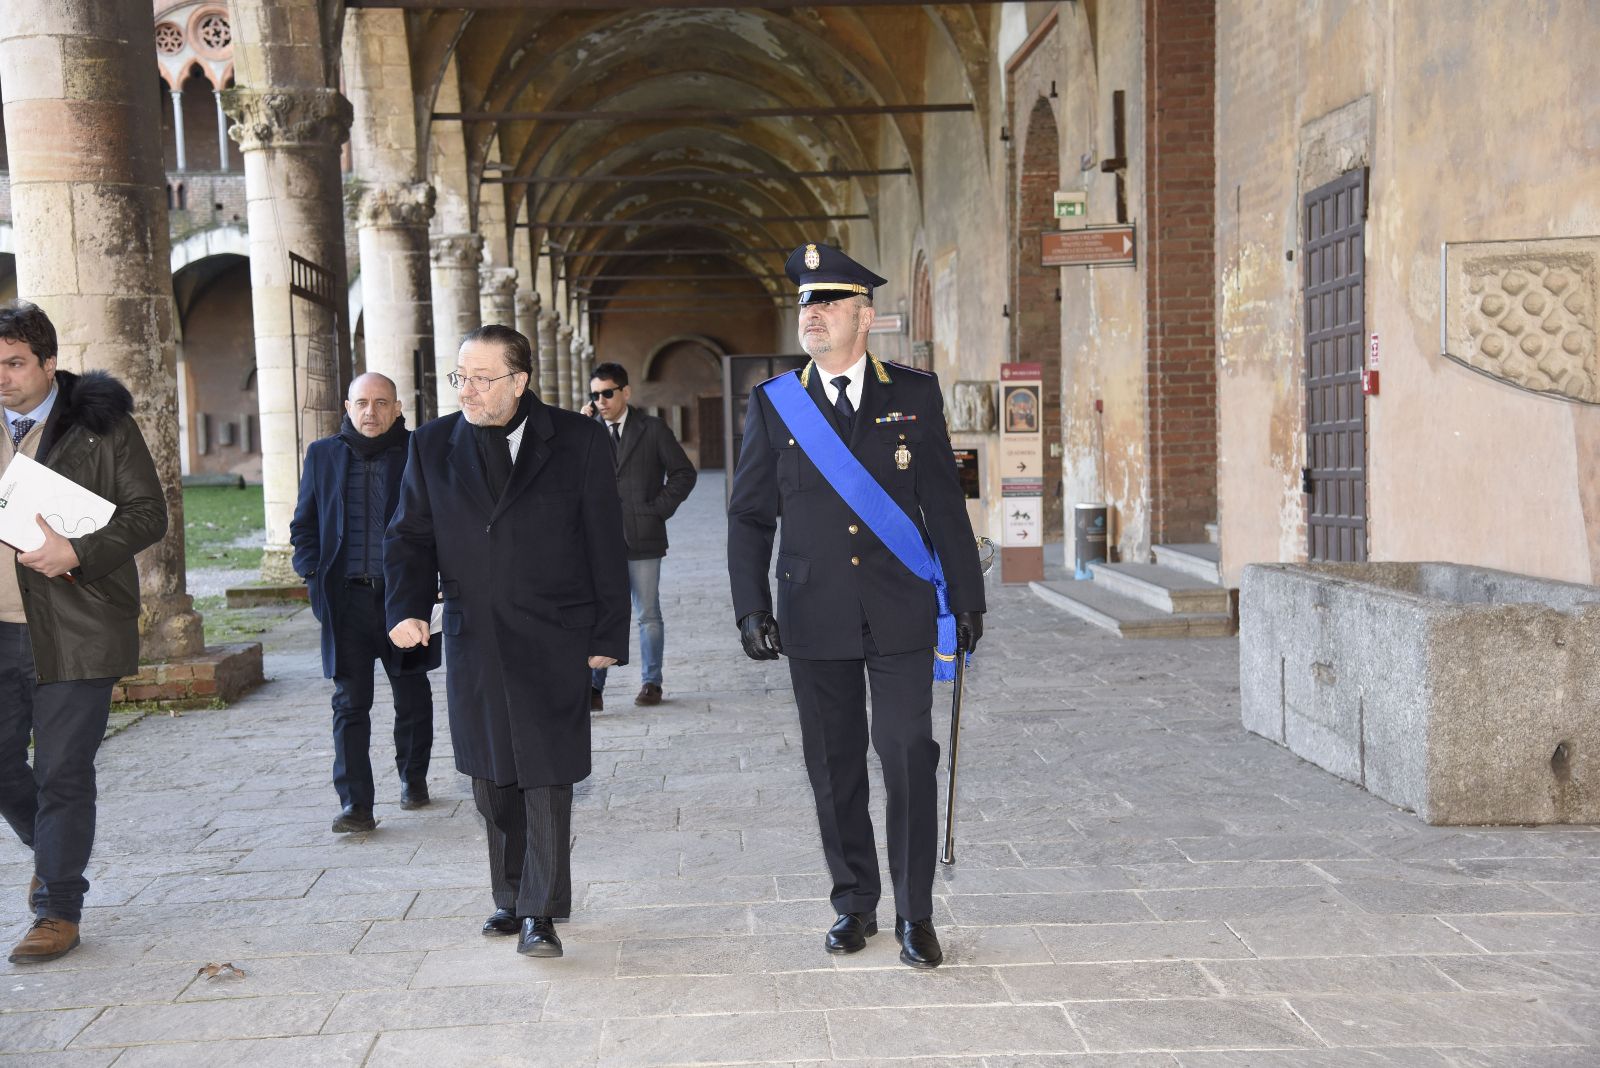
1526	313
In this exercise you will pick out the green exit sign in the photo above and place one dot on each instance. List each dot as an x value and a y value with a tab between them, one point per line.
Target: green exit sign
1071	205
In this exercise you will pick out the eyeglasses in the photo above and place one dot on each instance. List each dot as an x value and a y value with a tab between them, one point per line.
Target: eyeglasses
606	393
479	383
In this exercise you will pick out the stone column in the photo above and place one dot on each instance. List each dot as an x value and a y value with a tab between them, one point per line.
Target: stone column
455	306
177	128
575	355
396	287
563	398
528	327
88	203
580	373
222	132
549	361
290	140
498	291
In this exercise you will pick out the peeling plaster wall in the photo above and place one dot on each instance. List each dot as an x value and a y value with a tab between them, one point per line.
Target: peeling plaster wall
1477	132
964	232
1103	310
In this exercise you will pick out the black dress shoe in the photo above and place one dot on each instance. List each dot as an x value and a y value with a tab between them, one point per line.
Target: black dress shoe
503	922
597	701
919	945
539	937
354	818
850	932
414	794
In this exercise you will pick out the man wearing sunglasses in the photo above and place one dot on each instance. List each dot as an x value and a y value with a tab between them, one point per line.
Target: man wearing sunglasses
654	476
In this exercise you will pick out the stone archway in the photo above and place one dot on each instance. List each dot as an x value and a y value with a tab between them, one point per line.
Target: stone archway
682	381
1036	322
219	410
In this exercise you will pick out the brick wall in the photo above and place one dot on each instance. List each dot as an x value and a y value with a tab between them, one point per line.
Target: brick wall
1180	201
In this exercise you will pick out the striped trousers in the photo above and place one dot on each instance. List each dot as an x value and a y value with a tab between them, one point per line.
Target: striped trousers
530	846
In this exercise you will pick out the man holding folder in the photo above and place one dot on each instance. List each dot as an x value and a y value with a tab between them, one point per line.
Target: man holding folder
69	615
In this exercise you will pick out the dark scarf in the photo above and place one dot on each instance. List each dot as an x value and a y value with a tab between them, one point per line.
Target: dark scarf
370	448
495	451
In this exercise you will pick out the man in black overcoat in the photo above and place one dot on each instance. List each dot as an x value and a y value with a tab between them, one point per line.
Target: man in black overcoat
509	512
849	613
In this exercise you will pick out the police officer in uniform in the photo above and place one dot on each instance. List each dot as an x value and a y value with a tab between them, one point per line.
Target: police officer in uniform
850	614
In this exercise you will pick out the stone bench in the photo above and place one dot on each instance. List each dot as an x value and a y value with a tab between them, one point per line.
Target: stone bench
1467	695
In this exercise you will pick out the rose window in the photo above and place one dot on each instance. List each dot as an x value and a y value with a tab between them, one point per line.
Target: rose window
214	31
169	39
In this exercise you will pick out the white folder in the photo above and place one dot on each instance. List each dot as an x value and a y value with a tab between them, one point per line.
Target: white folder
29	488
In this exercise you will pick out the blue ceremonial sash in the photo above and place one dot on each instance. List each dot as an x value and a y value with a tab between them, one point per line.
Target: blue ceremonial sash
870	502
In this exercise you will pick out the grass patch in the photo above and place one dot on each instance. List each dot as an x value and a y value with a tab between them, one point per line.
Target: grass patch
214	517
225	626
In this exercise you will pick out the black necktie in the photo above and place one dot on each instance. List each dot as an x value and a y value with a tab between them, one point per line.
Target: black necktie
616	437
19	430
841	404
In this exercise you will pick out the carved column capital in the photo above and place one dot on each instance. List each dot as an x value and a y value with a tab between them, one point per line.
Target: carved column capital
457	250
287	118
498	282
527	304
393	204
564	335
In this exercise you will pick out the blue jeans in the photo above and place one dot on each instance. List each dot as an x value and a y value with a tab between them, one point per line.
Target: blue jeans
644	580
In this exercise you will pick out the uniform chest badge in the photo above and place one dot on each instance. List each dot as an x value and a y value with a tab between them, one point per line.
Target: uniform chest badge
902	456
813	258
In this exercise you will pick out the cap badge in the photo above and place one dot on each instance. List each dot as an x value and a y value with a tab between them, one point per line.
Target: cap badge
813	258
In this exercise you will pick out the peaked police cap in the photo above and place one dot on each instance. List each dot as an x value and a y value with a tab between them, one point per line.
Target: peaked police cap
824	273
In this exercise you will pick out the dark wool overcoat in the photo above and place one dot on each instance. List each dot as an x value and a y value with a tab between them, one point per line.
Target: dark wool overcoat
89	628
533	585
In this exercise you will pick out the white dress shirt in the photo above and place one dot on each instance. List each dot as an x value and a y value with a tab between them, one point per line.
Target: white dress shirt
858	377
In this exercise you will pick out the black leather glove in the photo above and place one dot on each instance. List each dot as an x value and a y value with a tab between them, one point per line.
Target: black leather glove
969	628
759	633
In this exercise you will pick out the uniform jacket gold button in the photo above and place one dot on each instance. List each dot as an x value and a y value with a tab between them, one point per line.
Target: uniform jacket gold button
854	529
855	561
902	438
791	441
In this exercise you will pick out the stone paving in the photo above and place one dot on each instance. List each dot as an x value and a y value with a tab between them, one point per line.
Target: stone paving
1139	883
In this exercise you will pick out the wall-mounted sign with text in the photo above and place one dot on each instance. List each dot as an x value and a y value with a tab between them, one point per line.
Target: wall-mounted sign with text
1103	246
1021	472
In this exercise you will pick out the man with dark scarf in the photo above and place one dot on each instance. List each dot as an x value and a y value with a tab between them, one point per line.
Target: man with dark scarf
509	510
348	493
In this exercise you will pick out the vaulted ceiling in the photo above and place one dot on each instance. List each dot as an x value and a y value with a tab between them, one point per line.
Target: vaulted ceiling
620	131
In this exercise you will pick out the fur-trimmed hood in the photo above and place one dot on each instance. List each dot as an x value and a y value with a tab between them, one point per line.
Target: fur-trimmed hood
94	399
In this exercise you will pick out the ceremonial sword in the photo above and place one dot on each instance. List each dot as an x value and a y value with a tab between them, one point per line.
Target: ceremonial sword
985	562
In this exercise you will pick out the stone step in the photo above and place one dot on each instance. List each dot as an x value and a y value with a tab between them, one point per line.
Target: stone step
1203	560
1165	589
1127	618
1211	534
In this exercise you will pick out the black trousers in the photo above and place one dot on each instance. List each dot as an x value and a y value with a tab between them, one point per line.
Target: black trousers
832	699
51	805
530	846
359	639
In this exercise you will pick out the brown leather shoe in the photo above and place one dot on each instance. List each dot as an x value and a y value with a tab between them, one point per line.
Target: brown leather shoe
47	939
649	695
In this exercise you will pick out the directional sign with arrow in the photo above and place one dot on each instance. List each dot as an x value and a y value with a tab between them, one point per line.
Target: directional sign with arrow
1108	246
